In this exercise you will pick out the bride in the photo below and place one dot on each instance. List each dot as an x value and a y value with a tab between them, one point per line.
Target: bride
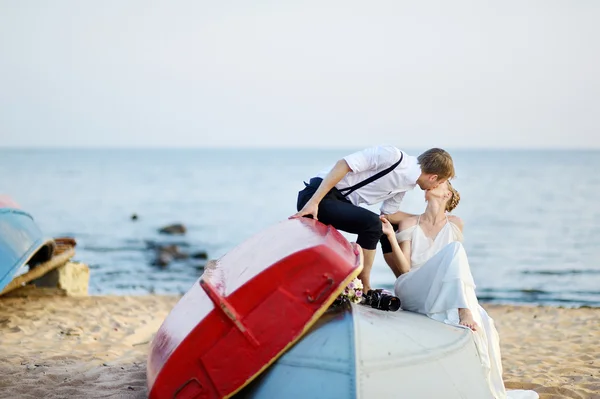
434	278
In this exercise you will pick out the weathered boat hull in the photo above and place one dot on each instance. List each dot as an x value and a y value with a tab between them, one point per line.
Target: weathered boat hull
248	308
362	352
21	241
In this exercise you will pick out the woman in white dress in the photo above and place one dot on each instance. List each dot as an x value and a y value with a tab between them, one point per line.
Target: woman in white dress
434	278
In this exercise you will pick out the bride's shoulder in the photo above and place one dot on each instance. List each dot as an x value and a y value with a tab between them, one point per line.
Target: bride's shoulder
408	222
406	227
456	221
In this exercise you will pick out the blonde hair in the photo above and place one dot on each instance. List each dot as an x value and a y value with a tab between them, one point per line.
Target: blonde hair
438	162
454	199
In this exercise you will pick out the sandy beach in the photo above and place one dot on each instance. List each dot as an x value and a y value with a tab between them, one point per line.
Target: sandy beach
95	347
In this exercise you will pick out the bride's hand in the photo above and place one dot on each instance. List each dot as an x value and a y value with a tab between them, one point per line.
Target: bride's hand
386	226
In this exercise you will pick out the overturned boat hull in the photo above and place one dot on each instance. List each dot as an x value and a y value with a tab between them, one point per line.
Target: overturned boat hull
360	352
248	308
21	241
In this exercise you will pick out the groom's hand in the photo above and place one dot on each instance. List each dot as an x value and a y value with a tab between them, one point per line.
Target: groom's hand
308	209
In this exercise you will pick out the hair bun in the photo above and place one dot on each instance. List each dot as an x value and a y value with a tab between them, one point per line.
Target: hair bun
454	200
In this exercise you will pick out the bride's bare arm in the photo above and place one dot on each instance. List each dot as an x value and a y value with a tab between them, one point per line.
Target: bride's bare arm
405	248
398	217
457	221
400	260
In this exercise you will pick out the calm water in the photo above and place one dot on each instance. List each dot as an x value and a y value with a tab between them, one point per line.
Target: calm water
532	218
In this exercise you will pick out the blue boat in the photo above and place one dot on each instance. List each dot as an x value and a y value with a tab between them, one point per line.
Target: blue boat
21	242
361	352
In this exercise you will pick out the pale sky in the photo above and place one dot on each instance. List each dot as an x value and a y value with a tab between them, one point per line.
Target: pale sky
457	74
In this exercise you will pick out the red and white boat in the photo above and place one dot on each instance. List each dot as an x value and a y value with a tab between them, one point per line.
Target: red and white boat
248	308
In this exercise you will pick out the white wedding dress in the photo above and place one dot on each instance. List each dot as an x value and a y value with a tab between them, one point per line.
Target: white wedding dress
438	283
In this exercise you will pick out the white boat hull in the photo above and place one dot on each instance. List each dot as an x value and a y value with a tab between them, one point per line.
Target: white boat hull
367	353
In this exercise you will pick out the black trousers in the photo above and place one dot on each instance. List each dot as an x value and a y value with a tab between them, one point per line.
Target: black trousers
337	211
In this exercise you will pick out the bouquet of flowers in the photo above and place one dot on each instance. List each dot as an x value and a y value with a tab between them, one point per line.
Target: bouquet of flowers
352	293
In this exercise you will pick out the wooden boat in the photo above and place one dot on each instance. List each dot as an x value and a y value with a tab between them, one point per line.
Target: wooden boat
361	352
248	308
21	241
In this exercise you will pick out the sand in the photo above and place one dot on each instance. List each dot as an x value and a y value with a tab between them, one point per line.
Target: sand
66	347
95	347
554	351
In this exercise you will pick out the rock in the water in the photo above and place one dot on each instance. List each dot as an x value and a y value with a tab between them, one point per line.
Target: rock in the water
134	216
151	244
173	250
173	229
169	250
165	254
163	259
199	255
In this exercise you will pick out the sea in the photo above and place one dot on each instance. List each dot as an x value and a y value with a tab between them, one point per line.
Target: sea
532	218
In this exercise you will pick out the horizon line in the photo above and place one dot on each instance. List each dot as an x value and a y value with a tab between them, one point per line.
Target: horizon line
287	148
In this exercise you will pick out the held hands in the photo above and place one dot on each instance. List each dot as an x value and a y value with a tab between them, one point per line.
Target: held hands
308	209
386	226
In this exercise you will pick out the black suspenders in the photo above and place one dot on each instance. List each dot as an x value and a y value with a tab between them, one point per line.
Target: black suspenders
348	190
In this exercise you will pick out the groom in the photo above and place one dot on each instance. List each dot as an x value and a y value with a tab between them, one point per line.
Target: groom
381	174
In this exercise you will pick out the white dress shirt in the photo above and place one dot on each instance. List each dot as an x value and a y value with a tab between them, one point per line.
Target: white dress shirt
389	189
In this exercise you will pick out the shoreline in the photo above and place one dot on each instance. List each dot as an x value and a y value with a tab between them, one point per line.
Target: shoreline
96	346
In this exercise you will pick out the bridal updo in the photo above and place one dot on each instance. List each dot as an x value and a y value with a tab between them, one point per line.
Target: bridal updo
454	199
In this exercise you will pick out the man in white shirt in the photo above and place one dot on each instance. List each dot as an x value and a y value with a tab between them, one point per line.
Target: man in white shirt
381	174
